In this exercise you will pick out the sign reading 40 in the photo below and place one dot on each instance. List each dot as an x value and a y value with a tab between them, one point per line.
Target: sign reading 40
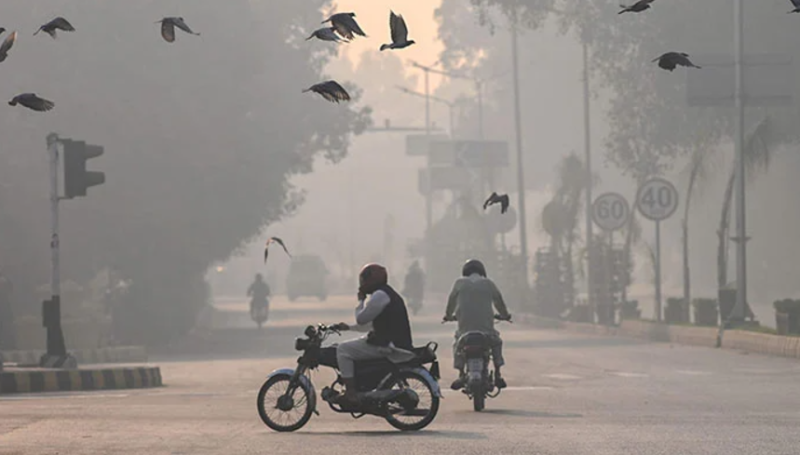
657	199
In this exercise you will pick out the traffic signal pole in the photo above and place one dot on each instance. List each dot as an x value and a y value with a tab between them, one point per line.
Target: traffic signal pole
56	355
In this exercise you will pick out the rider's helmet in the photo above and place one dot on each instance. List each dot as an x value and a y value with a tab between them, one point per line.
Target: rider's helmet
371	277
473	266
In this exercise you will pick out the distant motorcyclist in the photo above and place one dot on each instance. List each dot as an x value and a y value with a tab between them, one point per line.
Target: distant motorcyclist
386	318
414	286
260	292
471	302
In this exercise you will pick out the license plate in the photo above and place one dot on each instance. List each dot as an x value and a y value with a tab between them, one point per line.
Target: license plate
475	364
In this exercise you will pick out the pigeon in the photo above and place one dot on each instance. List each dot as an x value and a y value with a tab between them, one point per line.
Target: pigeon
345	25
637	7
494	199
2	30
31	101
796	4
326	34
330	90
6	46
270	241
168	25
58	23
399	33
670	60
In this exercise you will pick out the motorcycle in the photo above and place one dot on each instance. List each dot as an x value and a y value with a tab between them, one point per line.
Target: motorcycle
259	313
477	351
415	304
406	394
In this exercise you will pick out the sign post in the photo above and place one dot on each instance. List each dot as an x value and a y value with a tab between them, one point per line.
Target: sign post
657	200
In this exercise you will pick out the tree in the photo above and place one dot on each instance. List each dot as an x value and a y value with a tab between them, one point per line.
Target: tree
201	137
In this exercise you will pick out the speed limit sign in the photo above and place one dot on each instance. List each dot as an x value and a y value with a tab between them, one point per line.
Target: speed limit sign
657	199
610	211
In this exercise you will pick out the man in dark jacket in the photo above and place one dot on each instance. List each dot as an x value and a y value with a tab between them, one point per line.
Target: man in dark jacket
386	318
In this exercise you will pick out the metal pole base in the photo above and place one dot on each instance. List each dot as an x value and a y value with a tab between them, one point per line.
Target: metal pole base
68	361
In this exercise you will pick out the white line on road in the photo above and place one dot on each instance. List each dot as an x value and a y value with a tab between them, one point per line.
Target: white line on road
561	376
693	372
625	374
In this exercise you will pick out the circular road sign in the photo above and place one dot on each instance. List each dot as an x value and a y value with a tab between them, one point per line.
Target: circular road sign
657	199
610	211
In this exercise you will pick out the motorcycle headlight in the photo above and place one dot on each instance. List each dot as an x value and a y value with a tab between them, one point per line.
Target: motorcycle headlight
301	344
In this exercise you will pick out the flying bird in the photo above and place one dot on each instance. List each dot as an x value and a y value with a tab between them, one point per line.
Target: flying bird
6	46
2	30
637	7
270	241
326	34
796	4
345	25
168	25
330	90
494	199
399	33
31	101
670	60
58	23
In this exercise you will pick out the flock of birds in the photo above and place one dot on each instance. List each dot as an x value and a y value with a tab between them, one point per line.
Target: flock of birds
33	101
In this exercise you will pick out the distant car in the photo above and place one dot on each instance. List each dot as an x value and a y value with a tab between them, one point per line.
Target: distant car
307	277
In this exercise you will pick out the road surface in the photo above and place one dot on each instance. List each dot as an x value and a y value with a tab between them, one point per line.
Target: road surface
569	394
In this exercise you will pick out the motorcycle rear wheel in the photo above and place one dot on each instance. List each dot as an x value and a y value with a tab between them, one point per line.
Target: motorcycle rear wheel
268	400
417	383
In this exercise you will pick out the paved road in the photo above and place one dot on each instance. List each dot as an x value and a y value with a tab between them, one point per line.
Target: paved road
570	394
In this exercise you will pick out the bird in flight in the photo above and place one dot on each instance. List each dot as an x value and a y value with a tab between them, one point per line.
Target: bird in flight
670	60
6	46
494	199
796	4
330	90
637	7
31	101
270	241
168	25
399	33
326	34
58	23
345	25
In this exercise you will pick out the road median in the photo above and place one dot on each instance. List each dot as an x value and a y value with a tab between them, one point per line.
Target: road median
742	340
34	380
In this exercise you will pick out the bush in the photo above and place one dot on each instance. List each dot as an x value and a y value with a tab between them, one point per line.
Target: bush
677	311
787	306
630	310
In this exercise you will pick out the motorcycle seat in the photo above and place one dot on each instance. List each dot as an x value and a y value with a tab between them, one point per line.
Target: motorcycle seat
422	355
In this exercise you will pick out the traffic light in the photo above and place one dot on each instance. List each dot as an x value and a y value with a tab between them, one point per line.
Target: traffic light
76	178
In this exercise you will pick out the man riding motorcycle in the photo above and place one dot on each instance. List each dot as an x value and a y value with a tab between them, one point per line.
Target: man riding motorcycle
259	291
386	318
471	302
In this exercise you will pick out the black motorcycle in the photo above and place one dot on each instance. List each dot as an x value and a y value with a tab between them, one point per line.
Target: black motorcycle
477	351
405	394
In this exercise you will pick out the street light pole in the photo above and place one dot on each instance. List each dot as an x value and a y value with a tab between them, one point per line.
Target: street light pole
738	312
587	144
523	239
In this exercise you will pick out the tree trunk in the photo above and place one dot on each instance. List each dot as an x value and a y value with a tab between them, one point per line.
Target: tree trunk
686	273
722	233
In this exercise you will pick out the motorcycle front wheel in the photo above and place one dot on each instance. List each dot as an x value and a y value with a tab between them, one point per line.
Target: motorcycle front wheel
478	401
280	411
425	411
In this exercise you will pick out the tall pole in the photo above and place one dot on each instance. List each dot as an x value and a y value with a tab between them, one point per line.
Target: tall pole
658	271
523	239
741	233
428	199
587	144
452	130
479	89
56	355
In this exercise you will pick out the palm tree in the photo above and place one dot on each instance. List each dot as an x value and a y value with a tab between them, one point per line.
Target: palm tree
757	155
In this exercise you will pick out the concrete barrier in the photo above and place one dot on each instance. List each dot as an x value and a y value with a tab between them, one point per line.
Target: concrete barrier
15	380
115	354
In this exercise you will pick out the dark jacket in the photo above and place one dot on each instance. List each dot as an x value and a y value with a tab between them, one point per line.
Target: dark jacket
392	325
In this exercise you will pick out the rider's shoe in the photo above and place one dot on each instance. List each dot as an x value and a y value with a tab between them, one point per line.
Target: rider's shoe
500	383
458	384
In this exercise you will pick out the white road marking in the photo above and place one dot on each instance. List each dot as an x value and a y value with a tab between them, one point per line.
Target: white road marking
561	376
625	374
693	372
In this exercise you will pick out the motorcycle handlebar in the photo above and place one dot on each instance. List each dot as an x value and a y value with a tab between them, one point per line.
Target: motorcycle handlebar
496	316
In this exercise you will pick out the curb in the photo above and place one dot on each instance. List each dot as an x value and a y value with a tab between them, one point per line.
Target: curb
117	354
39	380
